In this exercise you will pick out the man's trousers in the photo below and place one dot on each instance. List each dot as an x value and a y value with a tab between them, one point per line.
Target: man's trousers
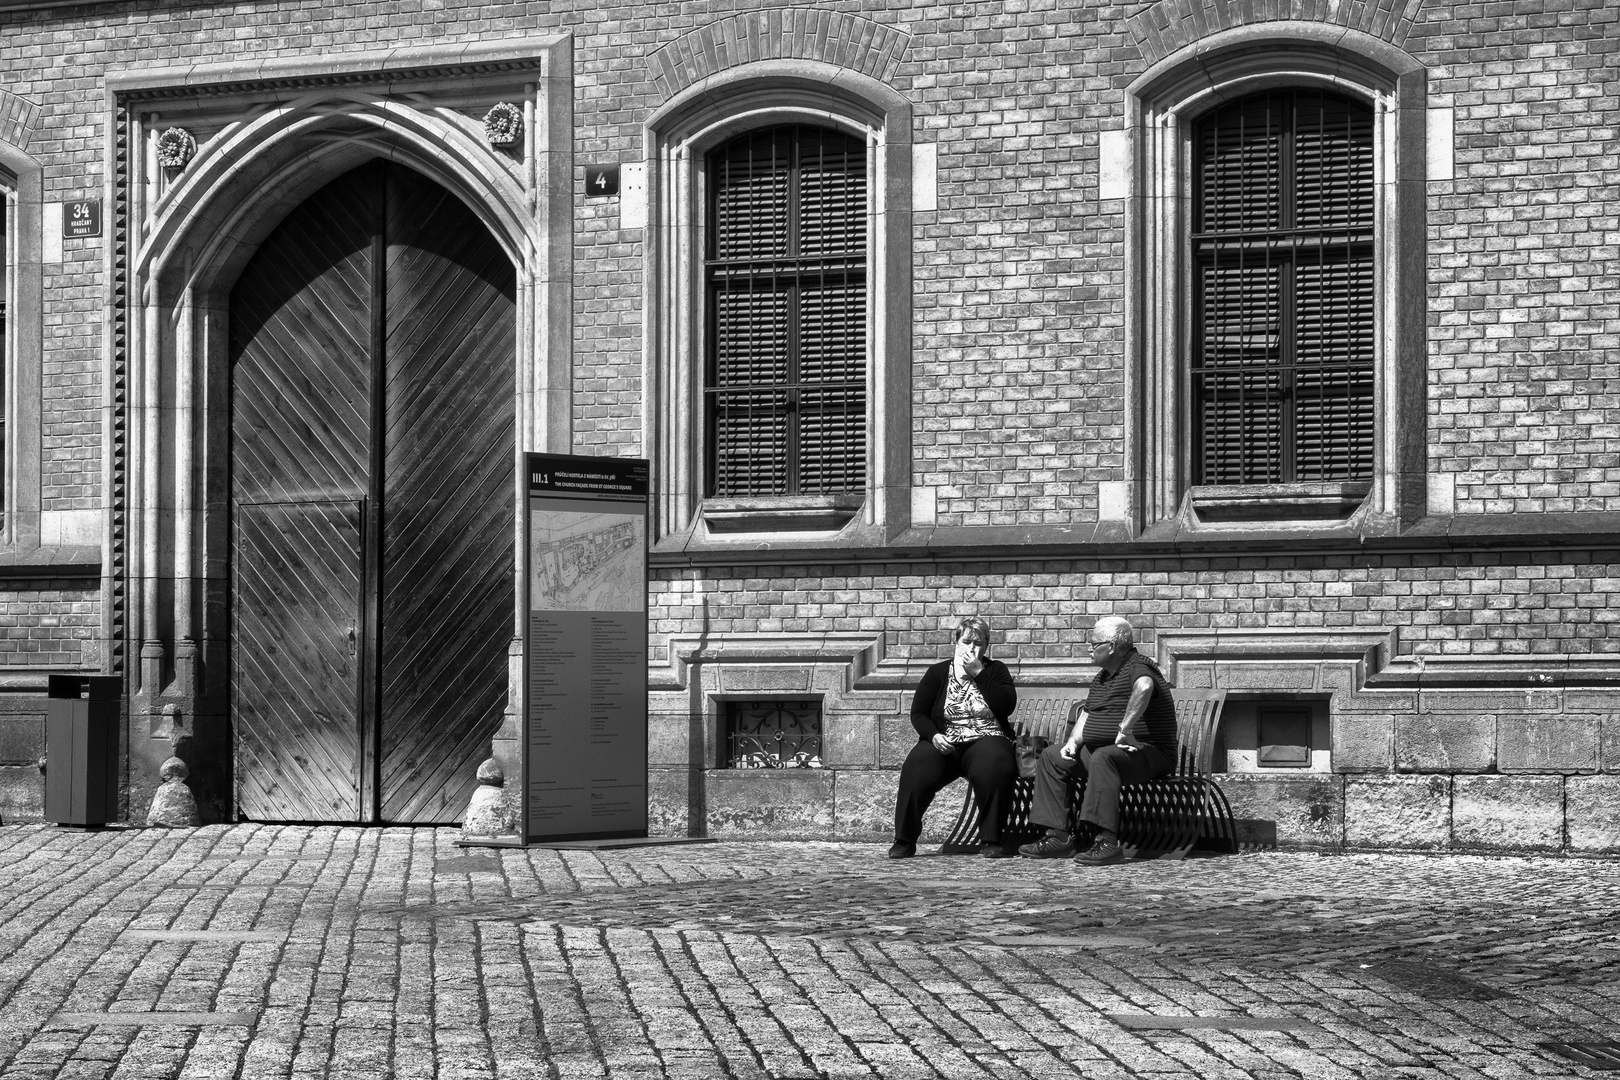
1107	769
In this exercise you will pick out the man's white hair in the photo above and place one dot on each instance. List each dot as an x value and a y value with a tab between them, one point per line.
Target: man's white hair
1118	629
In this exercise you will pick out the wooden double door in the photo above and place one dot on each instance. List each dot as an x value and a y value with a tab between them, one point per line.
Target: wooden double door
372	422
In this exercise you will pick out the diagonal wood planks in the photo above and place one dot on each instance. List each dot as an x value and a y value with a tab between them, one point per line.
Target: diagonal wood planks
303	442
448	533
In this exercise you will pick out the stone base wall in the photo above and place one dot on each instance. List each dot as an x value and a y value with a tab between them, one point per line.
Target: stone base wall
1574	815
22	744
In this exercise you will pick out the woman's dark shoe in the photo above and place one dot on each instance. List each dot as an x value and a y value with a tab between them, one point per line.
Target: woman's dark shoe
992	849
902	849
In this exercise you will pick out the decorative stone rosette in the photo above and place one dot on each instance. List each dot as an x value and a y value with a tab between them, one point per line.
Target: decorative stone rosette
503	125
176	148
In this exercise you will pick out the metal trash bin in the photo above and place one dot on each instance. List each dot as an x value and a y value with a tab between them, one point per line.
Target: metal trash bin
81	749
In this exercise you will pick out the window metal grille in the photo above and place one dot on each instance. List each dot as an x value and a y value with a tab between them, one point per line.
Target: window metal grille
1282	358
773	734
785	270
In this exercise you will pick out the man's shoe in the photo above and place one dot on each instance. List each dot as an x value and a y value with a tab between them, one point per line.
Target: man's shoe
1101	853
1048	847
992	849
902	849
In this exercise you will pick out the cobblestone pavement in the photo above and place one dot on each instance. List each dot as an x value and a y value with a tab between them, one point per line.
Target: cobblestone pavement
260	951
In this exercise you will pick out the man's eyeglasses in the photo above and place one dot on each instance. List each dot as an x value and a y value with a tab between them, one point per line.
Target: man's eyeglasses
1095	645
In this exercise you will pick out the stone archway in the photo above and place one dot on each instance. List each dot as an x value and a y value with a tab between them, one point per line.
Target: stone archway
263	149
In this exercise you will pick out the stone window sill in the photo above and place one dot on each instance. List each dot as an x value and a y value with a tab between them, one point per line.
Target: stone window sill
1303	504
783	514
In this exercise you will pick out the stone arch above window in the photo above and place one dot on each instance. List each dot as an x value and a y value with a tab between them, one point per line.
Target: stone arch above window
829	37
18	116
681	136
1164	108
1170	25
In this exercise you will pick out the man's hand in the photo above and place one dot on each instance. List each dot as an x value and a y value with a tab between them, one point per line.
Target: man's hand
1070	748
1135	709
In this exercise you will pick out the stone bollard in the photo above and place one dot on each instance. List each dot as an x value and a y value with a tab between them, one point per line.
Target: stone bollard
486	812
173	806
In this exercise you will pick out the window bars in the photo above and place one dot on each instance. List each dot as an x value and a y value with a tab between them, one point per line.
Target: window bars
1282	356
785	274
773	734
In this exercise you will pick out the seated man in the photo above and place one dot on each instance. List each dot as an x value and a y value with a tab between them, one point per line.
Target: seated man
1126	734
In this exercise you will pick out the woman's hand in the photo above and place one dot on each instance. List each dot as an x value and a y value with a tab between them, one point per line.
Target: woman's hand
942	744
969	659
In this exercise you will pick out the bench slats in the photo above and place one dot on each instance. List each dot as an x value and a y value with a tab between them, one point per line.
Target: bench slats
1165	817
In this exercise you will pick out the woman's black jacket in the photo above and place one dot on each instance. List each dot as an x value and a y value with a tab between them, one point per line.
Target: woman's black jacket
928	703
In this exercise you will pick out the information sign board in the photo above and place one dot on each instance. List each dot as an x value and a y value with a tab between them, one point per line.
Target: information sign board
585	648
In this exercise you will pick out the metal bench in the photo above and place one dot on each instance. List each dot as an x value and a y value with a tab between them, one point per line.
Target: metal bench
1163	818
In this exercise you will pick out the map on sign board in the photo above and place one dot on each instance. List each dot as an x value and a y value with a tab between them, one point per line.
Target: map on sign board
587	561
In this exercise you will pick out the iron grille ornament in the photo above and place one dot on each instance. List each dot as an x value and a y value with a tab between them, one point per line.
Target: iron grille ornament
773	734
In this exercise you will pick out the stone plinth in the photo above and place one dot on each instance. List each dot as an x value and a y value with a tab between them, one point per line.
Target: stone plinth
1508	813
1442	743
1363	742
1300	811
1548	743
1592	814
1397	811
863	803
769	803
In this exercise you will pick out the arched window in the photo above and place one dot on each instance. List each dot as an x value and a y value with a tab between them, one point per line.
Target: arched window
1274	321
1282	309
785	286
778	247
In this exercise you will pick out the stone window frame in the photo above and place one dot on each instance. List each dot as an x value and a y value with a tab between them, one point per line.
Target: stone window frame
22	179
1162	106
678	137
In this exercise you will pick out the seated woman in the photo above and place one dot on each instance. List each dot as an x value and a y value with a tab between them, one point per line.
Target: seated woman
960	711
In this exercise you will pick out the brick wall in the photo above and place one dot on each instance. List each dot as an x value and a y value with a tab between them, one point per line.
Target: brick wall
49	627
1524	258
1018	273
1482	604
1019	288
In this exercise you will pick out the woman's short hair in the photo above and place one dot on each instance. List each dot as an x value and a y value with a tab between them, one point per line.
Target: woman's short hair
979	627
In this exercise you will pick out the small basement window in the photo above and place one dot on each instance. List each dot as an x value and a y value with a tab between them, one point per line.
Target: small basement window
1284	736
772	734
1276	734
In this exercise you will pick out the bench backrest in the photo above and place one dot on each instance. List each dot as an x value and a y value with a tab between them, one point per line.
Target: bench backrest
1198	713
1051	712
1047	711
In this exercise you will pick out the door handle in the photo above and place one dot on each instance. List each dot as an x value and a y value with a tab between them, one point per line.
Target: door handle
353	640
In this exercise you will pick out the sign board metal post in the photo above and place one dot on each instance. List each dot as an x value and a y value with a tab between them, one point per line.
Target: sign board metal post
585	649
